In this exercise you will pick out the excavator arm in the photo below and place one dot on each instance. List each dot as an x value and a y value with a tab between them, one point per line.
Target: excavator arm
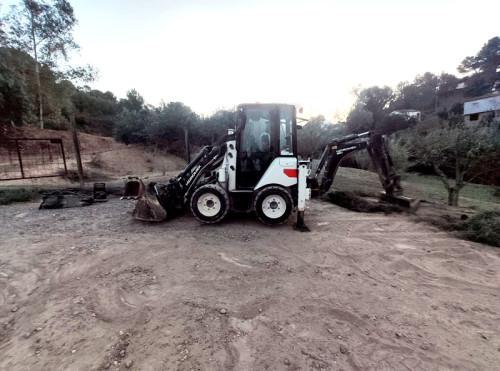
321	180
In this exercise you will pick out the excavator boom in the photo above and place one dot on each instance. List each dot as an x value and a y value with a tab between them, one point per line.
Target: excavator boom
338	149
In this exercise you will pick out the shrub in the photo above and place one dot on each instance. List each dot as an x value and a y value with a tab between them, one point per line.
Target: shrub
11	195
483	227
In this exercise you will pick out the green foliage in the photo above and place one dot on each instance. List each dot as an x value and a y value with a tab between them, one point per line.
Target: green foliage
134	101
170	123
15	98
315	135
360	120
484	67
132	126
95	103
43	29
11	195
483	227
212	128
421	94
452	148
399	144
375	100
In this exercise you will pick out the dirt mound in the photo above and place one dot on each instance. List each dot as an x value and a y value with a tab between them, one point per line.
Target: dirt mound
360	202
103	158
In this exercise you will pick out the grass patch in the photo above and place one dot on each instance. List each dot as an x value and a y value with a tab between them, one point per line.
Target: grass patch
11	195
422	187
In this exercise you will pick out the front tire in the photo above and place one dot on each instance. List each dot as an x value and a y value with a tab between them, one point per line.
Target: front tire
273	205
210	203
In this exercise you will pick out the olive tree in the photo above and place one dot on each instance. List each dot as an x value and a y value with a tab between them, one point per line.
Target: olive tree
454	148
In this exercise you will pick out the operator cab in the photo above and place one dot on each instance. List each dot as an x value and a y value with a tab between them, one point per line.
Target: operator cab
266	132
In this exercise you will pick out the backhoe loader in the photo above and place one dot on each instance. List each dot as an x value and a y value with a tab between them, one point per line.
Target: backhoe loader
256	168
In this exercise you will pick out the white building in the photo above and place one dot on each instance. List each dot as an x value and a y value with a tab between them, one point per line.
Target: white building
476	109
408	114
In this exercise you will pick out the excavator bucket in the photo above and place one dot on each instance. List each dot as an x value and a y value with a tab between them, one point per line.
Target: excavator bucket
409	204
147	207
133	189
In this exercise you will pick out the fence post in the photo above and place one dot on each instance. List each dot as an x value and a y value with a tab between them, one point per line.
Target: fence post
64	158
20	158
77	150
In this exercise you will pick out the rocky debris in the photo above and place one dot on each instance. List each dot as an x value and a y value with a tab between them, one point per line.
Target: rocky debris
223	311
343	349
128	363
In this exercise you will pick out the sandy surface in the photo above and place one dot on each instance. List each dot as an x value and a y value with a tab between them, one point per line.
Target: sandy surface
90	288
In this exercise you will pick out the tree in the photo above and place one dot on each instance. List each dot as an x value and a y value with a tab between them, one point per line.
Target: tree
15	87
173	119
44	30
376	100
420	95
214	127
360	120
466	152
3	35
315	135
486	61
484	67
134	101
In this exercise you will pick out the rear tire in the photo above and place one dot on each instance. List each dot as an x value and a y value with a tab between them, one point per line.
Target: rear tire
210	203
273	205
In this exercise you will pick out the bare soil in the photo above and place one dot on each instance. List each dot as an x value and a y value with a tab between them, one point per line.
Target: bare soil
91	288
103	159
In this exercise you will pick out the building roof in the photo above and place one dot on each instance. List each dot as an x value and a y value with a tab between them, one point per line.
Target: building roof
486	103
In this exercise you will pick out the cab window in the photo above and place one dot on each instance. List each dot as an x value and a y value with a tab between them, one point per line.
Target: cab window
286	118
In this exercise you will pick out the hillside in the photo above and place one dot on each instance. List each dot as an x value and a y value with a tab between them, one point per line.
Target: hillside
103	158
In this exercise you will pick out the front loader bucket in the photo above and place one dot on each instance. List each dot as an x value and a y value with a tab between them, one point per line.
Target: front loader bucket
149	209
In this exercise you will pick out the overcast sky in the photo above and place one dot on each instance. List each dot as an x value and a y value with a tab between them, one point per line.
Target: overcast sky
214	54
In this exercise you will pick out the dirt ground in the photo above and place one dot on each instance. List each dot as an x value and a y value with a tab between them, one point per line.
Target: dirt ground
91	288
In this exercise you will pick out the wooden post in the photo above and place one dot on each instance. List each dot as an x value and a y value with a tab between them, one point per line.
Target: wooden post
77	150
20	158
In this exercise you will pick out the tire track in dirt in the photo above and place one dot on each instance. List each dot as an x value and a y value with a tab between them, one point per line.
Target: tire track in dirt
358	292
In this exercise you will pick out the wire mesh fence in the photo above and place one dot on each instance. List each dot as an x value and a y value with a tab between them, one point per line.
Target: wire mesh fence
30	158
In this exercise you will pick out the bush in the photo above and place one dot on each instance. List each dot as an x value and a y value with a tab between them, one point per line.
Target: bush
11	195
483	227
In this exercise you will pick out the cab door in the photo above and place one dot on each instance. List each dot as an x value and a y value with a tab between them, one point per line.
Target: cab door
258	144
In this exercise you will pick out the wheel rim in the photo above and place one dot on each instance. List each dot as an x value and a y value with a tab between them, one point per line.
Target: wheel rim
274	206
209	204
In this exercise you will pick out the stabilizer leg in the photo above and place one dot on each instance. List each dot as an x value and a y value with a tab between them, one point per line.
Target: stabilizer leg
300	225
